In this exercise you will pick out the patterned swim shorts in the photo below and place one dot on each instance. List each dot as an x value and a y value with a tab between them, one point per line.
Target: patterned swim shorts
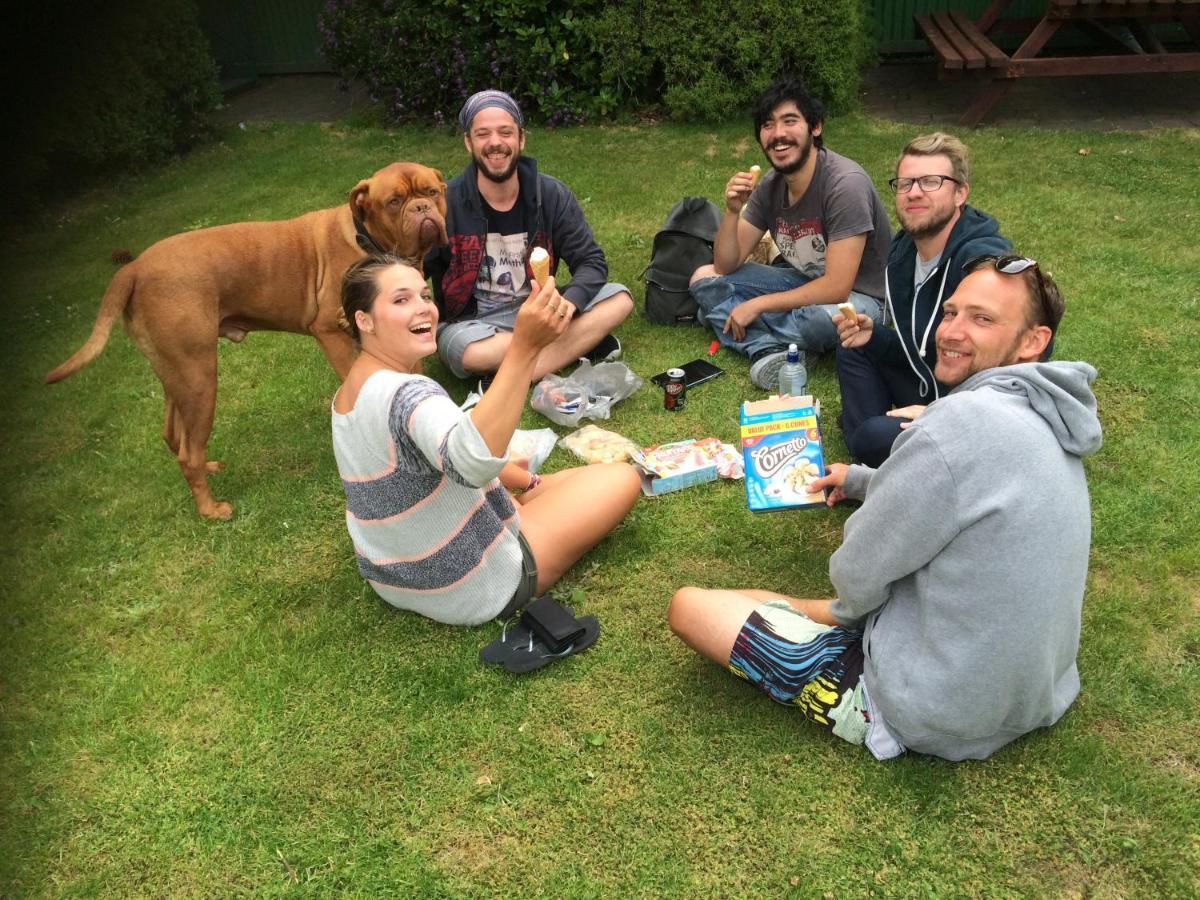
802	663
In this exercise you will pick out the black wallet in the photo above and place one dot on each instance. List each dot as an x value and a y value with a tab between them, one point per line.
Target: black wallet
552	623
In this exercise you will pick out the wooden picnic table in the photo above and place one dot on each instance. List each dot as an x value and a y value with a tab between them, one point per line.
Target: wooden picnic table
963	45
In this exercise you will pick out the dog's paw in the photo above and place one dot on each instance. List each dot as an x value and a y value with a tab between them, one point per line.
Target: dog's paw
212	466
218	510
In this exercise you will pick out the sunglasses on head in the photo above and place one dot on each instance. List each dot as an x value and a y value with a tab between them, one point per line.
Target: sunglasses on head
1015	265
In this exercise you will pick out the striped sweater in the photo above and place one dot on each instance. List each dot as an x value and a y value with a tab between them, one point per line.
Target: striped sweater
434	531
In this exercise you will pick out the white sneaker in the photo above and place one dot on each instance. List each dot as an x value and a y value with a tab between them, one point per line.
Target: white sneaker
764	371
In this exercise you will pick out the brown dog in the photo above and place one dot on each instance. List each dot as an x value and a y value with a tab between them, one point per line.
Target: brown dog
184	292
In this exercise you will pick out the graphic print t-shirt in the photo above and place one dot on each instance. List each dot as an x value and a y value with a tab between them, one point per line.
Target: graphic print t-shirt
501	281
841	202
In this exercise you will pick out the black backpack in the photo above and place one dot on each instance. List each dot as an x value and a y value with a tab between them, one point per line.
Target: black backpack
684	243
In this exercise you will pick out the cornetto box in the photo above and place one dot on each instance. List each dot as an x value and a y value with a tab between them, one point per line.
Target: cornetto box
781	445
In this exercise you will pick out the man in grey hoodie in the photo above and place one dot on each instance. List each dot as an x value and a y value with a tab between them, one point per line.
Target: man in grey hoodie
956	633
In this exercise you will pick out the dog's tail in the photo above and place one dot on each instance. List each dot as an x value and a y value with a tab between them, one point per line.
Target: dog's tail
116	298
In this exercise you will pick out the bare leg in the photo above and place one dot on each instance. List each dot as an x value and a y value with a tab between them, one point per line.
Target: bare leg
484	357
701	273
585	332
709	620
572	511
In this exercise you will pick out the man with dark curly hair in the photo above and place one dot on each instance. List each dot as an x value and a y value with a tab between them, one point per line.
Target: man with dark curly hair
829	224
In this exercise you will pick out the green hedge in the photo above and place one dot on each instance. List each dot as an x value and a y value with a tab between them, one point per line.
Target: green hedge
579	59
118	85
709	60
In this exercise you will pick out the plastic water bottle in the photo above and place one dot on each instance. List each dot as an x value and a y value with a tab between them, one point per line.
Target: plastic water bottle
792	375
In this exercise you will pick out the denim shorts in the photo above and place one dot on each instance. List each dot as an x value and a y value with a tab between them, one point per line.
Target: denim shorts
453	338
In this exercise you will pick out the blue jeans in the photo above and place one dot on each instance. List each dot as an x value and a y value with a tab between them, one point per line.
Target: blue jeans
810	328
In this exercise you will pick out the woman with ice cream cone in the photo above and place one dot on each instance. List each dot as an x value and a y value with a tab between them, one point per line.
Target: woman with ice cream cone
442	522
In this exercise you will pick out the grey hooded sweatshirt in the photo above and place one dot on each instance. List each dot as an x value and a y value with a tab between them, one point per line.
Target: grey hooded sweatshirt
968	558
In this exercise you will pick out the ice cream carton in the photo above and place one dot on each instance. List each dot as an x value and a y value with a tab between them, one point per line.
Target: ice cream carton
781	445
674	466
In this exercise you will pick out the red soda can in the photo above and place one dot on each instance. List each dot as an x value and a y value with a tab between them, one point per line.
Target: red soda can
675	391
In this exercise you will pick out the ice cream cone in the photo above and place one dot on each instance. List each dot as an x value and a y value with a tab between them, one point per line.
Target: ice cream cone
539	262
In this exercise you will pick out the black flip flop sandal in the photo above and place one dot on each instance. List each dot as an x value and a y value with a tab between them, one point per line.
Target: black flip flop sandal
545	631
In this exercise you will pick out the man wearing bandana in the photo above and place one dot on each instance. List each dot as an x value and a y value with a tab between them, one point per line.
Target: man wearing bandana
499	209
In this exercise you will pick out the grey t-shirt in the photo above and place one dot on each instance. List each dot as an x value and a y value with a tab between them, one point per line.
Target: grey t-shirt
923	269
841	202
921	272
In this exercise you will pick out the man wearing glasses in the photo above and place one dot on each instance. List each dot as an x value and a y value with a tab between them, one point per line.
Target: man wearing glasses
886	374
960	580
830	226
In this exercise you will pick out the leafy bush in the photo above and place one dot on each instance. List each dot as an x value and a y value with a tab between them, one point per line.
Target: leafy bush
422	59
568	61
713	60
134	83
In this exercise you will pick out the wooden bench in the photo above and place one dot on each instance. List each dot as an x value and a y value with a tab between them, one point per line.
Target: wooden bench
962	45
959	43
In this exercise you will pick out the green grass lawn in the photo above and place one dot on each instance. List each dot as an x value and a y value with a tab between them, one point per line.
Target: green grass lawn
197	708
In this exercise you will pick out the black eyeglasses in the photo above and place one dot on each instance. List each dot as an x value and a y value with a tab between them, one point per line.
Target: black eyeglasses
1015	265
927	183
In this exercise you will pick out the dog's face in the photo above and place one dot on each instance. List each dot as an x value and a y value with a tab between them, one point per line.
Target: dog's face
403	207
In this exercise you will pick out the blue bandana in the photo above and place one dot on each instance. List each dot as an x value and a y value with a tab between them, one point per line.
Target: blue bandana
476	103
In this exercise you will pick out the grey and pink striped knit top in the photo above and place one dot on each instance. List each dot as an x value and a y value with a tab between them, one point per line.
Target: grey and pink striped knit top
434	531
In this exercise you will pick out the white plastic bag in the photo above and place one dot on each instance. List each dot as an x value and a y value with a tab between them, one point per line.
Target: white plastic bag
588	392
532	445
559	399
